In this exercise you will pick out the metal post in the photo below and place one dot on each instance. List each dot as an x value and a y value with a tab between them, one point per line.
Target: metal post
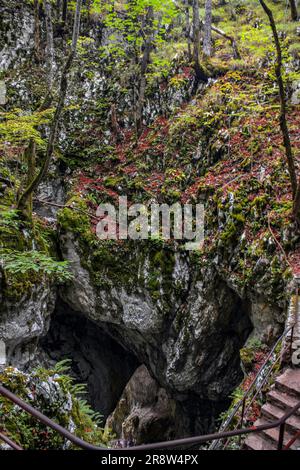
242	418
291	345
243	412
281	436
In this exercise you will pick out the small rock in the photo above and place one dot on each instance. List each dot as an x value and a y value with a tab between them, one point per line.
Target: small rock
295	98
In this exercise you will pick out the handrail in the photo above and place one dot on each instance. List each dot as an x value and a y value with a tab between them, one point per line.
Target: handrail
159	445
47	421
242	402
8	441
260	373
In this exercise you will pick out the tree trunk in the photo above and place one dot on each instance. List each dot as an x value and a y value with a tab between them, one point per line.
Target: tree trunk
37	35
207	42
283	119
58	6
114	124
64	12
30	158
88	7
188	29
50	43
236	52
33	185
294	11
76	27
143	69
199	72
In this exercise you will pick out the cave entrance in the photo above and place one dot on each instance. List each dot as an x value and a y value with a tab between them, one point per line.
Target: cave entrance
97	359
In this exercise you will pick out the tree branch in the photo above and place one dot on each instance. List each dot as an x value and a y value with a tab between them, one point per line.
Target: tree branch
283	119
66	206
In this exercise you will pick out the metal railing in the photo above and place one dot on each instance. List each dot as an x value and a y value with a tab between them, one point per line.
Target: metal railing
189	441
245	403
261	378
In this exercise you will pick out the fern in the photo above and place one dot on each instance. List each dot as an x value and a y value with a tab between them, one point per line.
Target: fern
63	366
22	262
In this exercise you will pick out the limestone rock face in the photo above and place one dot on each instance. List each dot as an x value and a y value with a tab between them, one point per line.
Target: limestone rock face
17	27
24	321
144	411
190	345
53	190
17	46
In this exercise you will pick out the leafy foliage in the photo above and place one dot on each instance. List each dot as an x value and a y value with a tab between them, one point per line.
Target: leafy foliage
22	262
126	21
18	127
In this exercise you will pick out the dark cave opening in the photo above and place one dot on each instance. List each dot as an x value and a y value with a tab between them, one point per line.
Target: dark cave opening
100	361
97	360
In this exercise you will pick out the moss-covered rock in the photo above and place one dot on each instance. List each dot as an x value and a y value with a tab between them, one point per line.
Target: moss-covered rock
54	393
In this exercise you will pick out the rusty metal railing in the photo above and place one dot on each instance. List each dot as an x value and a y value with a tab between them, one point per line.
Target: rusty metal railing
261	377
189	441
291	442
243	406
10	442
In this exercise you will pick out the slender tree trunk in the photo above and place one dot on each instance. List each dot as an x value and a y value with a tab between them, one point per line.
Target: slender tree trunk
33	185
58	7
294	11
64	12
63	20
188	29
30	158
207	42
236	52
37	35
114	124
199	72
283	118
50	43
88	7
143	69
76	27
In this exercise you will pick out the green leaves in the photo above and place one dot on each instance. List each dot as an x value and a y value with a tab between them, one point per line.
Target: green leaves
18	127
9	218
127	22
17	262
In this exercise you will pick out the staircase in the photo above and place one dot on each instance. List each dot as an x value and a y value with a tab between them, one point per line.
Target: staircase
282	397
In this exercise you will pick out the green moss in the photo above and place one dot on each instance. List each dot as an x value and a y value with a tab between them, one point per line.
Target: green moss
26	430
229	234
113	181
74	218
